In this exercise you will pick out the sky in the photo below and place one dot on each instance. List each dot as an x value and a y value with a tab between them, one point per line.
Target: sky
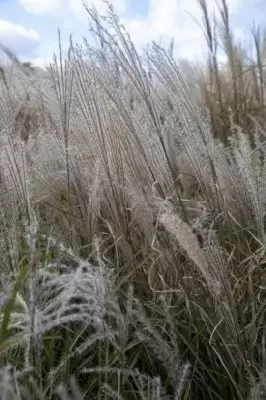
29	27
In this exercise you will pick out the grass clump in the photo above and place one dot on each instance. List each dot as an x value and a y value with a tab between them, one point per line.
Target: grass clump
235	88
132	234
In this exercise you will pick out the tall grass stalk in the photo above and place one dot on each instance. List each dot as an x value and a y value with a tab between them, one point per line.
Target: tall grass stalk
132	221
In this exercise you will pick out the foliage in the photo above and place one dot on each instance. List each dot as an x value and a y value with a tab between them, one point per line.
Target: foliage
132	226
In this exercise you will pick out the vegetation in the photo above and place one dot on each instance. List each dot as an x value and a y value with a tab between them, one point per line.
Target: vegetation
132	226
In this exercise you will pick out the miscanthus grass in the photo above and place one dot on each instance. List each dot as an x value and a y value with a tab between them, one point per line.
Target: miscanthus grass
132	222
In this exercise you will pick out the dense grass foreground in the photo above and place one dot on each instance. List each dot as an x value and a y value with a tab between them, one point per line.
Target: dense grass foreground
132	241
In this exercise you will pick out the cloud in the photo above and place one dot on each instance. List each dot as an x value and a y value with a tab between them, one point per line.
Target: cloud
18	38
75	7
166	19
176	19
41	7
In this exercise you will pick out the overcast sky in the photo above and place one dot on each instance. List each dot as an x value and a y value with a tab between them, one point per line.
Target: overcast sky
29	27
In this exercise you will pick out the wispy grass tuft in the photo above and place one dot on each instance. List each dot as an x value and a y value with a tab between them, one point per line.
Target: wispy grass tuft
132	221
